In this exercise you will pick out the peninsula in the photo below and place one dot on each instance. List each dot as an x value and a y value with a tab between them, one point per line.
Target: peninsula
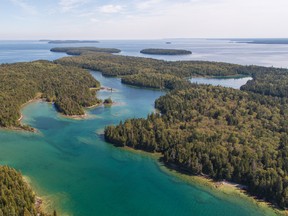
67	87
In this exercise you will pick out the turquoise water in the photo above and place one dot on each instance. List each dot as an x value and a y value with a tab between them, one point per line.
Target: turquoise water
69	163
235	83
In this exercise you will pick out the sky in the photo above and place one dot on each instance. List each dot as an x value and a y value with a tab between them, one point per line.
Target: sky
142	19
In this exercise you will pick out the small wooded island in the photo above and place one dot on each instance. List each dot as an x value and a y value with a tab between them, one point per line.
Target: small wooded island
165	52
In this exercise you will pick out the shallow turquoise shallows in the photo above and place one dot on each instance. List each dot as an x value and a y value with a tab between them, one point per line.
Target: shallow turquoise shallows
69	162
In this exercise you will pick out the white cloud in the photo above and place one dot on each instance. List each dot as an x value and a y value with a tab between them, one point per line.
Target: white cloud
111	8
67	5
94	20
144	5
25	6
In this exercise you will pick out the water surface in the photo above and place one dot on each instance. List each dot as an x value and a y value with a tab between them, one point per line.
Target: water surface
69	162
230	82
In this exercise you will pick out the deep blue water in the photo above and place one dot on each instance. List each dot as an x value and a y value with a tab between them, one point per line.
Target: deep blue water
202	49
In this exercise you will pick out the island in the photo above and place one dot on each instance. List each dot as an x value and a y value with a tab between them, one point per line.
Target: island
80	50
108	102
70	41
216	132
165	52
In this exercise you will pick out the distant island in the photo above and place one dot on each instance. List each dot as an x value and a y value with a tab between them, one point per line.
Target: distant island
69	41
263	41
81	50
165	52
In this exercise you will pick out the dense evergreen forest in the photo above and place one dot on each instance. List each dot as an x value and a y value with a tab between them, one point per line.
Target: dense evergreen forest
136	71
274	83
165	52
220	132
155	80
117	65
17	198
67	87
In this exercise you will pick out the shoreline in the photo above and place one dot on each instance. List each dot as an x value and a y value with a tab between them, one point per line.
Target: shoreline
229	191
40	202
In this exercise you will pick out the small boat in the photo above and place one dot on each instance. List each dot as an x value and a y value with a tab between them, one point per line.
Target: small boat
168	42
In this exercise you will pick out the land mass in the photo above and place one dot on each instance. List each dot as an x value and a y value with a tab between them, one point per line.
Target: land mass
81	50
67	87
152	73
165	52
263	41
17	198
219	132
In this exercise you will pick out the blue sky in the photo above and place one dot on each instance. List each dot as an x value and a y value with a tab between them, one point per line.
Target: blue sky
142	19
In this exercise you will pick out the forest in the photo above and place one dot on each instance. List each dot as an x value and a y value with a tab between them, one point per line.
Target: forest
147	72
17	198
68	87
274	83
219	132
165	52
118	65
155	80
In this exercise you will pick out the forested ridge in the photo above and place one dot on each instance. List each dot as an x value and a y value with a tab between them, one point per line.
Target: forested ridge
220	132
68	87
17	198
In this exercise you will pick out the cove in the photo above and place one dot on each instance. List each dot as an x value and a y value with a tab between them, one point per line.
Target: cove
69	163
